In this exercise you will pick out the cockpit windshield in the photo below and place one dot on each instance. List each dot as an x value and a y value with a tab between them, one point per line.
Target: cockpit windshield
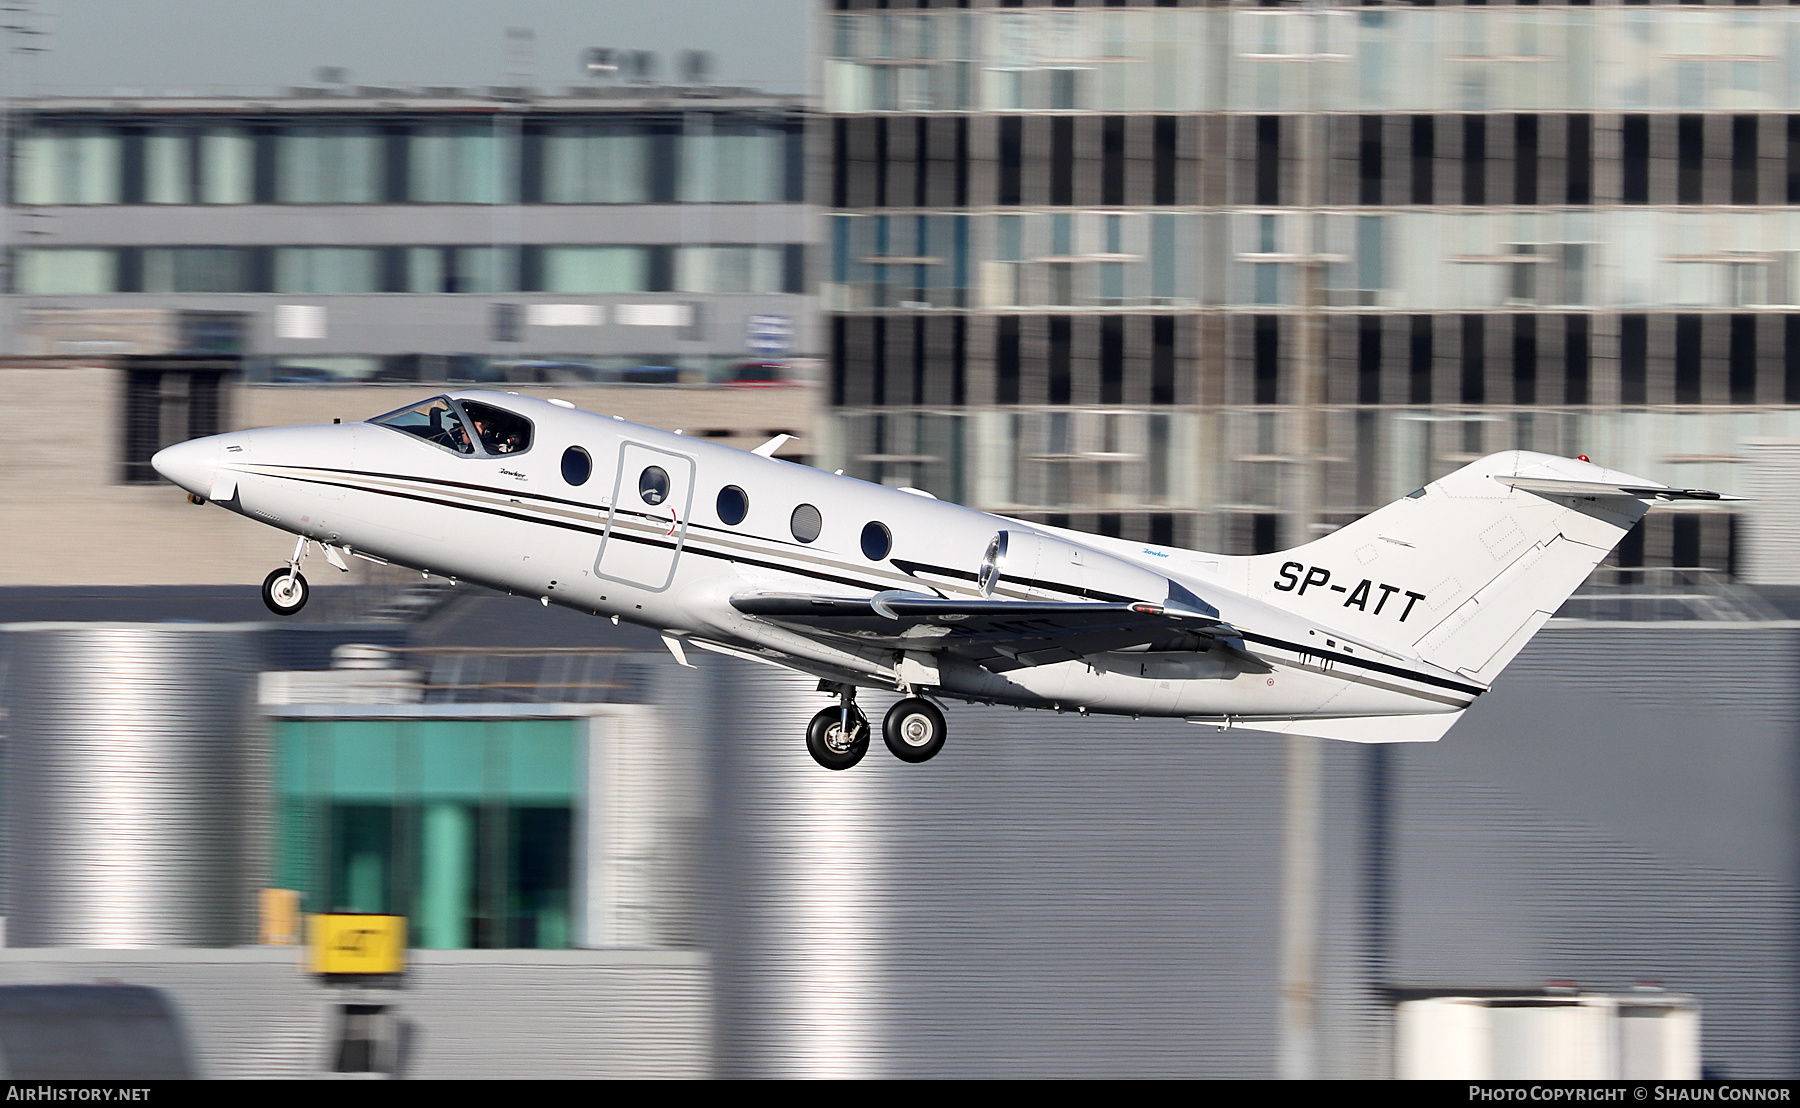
500	431
435	421
461	425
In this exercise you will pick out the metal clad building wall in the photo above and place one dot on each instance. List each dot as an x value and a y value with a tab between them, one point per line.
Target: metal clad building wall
126	801
1774	513
1053	896
1083	898
799	885
1620	808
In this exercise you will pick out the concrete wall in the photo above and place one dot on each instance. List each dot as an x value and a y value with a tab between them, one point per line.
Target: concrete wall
254	1012
69	521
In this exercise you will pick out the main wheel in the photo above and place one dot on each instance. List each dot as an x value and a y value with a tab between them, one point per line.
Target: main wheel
827	743
914	729
285	591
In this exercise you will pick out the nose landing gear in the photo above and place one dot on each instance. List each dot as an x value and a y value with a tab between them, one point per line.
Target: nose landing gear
284	591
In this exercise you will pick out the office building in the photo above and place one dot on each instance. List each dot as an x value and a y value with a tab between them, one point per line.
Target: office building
595	233
1229	276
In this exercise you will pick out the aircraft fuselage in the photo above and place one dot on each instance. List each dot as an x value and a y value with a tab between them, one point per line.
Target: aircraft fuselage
669	556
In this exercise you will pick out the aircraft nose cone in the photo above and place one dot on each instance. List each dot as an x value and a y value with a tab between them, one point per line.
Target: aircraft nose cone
189	464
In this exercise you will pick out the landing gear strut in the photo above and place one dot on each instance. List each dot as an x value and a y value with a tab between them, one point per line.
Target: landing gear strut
914	729
837	738
284	591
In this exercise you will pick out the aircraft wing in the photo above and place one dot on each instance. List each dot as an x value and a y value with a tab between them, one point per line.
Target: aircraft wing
997	634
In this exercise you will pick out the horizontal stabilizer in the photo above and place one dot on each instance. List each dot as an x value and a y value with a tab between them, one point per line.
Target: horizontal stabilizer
1557	487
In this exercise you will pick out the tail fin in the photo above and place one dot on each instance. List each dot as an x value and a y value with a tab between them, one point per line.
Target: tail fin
1462	573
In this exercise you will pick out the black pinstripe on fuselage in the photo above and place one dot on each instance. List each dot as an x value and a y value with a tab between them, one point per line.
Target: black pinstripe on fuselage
719	544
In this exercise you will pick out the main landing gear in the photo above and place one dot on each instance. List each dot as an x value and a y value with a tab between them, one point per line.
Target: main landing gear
284	591
914	729
837	738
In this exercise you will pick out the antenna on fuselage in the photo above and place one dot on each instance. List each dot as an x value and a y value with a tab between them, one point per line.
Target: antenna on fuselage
769	448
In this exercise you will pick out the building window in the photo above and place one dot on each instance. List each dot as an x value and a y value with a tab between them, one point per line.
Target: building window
729	269
329	165
596	269
328	269
597	163
726	159
164	406
58	272
70	164
197	269
466	827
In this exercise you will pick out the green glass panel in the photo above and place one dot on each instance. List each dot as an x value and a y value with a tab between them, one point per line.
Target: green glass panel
293	860
290	758
447	879
364	759
450	754
541	760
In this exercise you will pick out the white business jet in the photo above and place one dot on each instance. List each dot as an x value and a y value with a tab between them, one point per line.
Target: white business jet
1384	630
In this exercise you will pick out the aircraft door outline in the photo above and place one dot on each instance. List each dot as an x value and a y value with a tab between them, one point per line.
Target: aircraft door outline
642	560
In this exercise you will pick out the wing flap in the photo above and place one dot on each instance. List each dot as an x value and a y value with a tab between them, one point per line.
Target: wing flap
1000	634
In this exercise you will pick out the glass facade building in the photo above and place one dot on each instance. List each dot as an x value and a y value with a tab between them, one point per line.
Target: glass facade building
464	826
423	222
1230	275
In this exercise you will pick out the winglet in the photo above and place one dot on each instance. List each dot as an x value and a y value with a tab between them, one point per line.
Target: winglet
769	448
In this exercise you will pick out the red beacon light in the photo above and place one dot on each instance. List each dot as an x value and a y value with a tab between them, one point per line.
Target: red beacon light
1581	457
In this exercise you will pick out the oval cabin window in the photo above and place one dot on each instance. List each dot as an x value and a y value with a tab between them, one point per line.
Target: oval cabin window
877	541
806	523
577	467
653	485
733	505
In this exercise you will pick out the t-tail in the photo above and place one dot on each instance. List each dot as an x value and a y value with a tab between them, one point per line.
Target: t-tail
1456	578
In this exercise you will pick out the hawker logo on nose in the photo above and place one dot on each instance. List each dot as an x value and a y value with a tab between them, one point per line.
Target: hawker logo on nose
1296	577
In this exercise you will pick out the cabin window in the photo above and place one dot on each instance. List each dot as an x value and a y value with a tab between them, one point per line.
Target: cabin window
877	541
435	421
653	485
500	431
806	523
733	505
577	467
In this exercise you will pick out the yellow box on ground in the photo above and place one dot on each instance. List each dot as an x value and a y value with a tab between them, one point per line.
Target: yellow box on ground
280	917
353	943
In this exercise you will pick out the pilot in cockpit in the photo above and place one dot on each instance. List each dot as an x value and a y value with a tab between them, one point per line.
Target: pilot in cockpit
495	439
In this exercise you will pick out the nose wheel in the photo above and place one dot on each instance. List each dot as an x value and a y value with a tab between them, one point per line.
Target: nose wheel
837	738
914	729
284	590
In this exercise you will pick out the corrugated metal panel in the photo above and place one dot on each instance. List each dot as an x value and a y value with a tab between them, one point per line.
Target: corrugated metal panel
1620	808
1052	896
798	887
1774	513
127	801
